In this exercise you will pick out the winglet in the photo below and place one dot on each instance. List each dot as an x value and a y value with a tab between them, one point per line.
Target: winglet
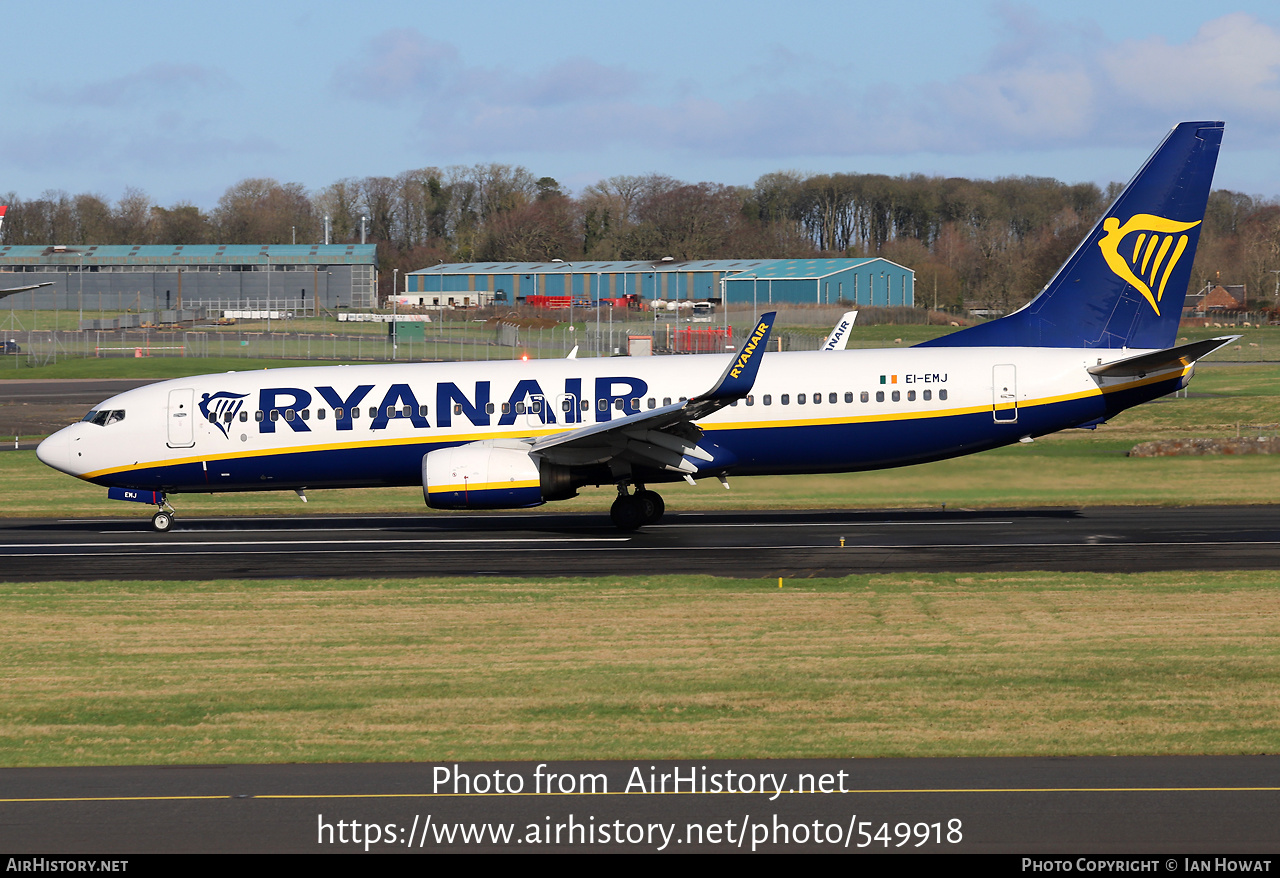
839	336
738	378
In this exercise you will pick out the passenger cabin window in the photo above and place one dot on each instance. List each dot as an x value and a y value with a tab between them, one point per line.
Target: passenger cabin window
928	395
767	399
879	396
897	396
942	394
833	398
799	399
817	399
259	415
244	416
865	397
666	400
785	399
337	413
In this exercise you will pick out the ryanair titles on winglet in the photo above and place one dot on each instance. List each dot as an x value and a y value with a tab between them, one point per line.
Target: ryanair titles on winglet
750	347
451	402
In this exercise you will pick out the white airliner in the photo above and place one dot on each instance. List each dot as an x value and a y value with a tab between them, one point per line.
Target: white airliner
1097	340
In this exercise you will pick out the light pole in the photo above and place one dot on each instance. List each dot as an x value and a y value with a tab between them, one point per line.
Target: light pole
569	284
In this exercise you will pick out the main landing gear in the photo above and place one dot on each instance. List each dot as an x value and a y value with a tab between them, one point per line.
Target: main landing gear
631	511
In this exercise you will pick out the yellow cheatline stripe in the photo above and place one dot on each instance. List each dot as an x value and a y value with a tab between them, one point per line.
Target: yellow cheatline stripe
550	431
483	486
859	792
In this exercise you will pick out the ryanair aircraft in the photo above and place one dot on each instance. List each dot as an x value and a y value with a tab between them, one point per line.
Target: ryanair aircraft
1097	340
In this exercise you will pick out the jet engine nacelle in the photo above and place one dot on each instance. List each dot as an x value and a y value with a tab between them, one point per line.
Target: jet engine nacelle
492	475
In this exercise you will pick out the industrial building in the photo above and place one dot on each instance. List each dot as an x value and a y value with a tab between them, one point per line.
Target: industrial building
872	281
301	277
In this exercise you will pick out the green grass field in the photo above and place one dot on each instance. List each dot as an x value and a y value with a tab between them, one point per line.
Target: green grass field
677	667
640	667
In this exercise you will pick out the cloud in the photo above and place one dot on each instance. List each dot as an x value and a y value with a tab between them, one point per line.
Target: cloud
1045	84
403	65
151	83
1232	63
399	64
168	144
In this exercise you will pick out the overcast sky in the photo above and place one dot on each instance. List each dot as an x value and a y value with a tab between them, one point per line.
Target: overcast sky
183	100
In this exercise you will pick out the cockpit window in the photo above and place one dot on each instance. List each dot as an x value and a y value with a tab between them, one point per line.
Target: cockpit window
105	417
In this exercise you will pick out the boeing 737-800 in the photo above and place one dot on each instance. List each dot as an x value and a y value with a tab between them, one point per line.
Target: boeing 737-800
1098	339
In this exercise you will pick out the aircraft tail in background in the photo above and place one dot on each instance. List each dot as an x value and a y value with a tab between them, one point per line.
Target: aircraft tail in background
1125	285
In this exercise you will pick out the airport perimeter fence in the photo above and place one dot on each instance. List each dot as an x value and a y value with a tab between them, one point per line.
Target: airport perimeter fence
456	341
441	342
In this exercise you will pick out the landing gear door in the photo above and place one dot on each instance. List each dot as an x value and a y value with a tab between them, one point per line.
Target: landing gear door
182	418
1004	393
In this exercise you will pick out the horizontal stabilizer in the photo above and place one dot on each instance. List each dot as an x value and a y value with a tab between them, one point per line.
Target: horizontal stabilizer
1173	358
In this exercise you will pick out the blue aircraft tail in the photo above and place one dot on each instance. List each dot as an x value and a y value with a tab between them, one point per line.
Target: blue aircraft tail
1125	284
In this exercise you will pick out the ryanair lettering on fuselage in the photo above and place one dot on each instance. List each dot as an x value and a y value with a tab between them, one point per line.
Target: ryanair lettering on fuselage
447	403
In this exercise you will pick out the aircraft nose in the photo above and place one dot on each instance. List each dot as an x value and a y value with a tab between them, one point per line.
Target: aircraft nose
55	451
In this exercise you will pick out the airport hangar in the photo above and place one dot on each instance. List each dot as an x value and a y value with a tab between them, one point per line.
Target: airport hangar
113	278
863	282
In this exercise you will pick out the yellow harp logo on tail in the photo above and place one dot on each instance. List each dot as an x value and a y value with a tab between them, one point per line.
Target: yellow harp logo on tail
1149	258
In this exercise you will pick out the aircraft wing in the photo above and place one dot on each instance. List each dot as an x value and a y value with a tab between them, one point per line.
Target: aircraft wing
12	290
1172	358
661	437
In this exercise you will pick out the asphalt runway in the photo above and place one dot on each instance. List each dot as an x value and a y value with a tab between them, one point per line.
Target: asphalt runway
1043	806
740	544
